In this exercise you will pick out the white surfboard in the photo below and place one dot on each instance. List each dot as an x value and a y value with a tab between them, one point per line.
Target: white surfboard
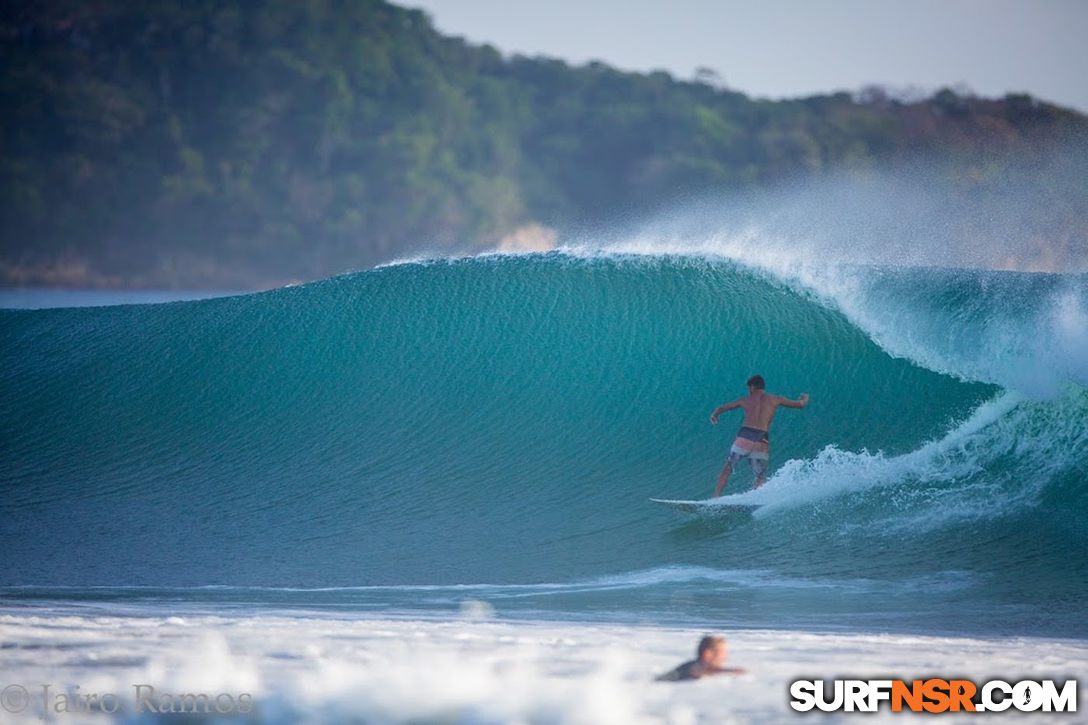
707	506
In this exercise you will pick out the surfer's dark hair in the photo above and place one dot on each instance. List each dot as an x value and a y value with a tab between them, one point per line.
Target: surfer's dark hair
756	381
707	643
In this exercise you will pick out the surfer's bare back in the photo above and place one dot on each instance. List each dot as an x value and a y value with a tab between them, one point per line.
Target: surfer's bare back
752	441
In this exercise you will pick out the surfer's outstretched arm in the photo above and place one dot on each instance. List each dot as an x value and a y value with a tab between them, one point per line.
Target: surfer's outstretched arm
724	407
799	403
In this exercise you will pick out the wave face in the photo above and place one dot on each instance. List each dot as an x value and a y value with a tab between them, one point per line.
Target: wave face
500	421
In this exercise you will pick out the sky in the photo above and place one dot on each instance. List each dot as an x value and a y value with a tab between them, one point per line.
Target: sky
784	48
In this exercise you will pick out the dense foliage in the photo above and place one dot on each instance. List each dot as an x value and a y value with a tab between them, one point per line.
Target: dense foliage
237	143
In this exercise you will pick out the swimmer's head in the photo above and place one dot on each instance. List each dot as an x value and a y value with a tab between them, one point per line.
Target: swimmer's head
756	383
712	651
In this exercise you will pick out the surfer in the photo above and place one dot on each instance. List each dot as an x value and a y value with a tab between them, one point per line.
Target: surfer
709	660
752	441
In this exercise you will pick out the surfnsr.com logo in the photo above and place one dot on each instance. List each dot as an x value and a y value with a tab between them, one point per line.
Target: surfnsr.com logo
933	695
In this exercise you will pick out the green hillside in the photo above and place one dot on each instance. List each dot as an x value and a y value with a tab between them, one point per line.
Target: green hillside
202	143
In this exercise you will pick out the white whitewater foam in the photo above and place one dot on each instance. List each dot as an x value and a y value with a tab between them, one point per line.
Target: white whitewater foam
316	668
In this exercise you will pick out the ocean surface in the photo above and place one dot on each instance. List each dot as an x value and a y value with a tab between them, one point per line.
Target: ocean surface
33	298
483	434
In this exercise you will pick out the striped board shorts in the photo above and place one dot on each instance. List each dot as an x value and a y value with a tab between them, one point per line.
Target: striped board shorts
753	444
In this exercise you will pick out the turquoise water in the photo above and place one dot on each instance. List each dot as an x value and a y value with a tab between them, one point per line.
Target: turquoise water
30	298
491	428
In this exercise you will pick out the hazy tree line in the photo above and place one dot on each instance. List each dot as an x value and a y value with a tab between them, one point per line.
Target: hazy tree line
238	143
